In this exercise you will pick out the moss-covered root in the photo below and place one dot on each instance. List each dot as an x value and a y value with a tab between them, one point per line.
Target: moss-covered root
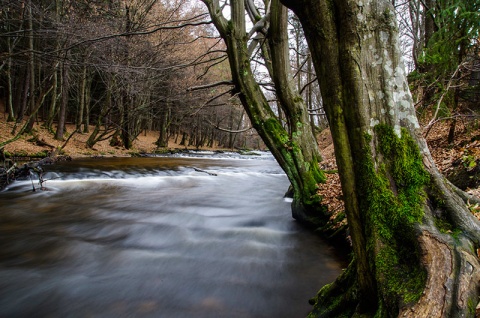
338	299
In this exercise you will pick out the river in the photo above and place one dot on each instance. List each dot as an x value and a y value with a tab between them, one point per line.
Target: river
156	237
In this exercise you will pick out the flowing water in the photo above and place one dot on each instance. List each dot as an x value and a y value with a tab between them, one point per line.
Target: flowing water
157	237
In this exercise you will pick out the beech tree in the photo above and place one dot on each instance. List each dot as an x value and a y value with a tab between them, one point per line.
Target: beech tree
414	238
293	146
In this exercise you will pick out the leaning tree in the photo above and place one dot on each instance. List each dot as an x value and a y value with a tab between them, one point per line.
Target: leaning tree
414	238
293	143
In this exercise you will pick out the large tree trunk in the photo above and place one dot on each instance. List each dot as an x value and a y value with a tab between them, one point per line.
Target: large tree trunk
294	147
413	238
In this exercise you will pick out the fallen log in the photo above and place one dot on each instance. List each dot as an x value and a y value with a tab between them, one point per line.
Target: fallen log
26	171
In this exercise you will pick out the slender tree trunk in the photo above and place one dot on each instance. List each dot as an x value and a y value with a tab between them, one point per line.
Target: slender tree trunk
230	127
81	107
56	66
23	100
9	105
96	134
184	139
309	92
64	103
162	140
126	132
86	120
11	114
53	103
31	62
413	237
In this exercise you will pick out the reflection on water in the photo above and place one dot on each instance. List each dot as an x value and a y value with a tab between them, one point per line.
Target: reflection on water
152	237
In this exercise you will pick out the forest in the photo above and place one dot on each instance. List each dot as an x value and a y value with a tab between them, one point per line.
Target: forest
381	76
115	69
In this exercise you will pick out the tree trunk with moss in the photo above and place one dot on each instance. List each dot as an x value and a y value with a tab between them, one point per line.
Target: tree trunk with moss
294	147
414	238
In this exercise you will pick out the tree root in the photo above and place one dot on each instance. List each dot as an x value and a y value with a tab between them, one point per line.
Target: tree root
466	197
338	299
455	207
451	289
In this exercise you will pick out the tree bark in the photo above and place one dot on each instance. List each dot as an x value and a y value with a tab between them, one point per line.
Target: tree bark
81	102
64	103
31	62
413	237
53	103
11	114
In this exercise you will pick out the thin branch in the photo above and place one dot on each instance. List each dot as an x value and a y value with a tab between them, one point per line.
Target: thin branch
306	85
207	69
432	121
209	101
127	34
221	83
228	130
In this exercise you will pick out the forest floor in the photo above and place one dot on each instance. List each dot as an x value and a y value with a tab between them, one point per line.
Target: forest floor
41	140
464	153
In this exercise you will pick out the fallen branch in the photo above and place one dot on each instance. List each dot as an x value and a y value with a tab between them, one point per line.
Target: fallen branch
200	170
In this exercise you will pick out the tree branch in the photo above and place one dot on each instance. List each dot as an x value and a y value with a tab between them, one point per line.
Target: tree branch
228	130
221	83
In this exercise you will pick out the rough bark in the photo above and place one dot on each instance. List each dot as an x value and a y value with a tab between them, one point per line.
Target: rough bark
413	237
294	147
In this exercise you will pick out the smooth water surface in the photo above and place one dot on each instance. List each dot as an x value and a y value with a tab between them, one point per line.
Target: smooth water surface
153	237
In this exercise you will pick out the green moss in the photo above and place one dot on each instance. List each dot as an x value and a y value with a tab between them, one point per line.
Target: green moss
472	305
298	99
338	299
304	175
392	196
443	225
40	154
307	166
273	126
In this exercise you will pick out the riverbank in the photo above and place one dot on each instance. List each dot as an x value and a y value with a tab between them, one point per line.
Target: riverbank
41	142
459	160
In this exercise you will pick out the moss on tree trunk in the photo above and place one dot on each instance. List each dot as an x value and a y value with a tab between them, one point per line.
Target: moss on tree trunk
413	238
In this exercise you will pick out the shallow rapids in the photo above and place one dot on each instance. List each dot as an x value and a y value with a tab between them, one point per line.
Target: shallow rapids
158	237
